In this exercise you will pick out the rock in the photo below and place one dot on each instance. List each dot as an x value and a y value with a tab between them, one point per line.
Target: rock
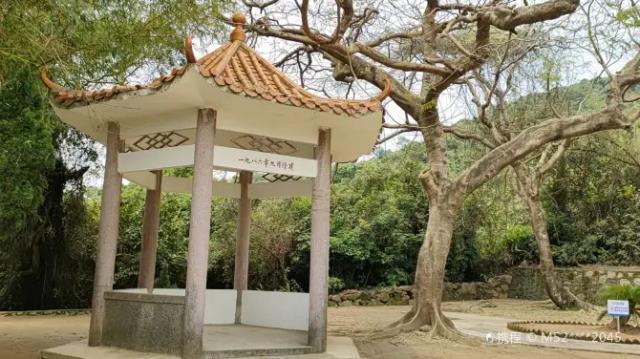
350	295
625	282
335	298
467	288
333	304
588	274
346	303
636	281
486	304
383	297
619	275
611	274
366	296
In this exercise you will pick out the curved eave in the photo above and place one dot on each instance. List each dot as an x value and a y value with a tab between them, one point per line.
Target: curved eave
174	105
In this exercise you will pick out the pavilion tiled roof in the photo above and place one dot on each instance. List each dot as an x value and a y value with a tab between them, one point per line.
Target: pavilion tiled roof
236	67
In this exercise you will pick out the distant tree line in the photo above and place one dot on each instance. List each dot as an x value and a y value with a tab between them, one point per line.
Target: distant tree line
378	216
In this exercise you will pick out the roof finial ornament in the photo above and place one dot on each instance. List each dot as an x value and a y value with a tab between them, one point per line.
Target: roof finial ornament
188	50
47	81
238	33
386	91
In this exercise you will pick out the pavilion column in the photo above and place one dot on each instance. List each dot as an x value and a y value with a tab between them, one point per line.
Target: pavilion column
199	228
150	229
241	269
320	226
108	234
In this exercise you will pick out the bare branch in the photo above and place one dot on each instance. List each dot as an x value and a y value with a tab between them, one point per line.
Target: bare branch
557	155
398	35
259	5
508	18
460	133
344	20
398	65
395	134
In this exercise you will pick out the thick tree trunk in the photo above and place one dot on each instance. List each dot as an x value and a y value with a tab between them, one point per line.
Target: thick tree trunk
529	191
547	268
429	278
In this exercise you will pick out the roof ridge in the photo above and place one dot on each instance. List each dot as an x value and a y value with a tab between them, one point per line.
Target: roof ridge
239	68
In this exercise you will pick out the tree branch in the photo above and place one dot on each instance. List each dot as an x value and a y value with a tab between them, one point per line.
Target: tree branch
460	133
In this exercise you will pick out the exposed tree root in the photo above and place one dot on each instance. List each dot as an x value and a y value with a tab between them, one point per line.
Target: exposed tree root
433	322
409	322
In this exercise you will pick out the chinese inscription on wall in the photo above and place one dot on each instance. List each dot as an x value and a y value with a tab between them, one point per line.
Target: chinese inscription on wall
268	164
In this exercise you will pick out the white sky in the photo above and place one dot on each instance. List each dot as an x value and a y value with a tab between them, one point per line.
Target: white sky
578	64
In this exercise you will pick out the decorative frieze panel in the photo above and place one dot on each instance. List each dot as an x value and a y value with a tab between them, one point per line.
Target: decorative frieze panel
264	144
276	177
159	140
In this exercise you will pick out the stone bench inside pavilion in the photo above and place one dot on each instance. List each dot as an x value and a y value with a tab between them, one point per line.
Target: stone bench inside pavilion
229	110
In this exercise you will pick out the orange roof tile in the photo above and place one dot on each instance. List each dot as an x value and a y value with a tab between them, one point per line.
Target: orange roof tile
234	66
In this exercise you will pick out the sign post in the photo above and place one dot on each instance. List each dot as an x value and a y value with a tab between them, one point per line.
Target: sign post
617	309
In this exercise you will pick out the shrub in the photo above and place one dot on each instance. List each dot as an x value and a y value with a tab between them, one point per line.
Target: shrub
623	292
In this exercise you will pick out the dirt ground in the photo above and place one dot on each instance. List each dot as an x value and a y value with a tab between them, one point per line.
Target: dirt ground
604	332
357	321
22	337
519	309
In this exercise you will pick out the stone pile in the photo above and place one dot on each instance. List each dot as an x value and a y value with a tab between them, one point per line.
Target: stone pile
494	288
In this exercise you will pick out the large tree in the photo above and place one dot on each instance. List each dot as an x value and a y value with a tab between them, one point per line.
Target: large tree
86	44
423	53
501	112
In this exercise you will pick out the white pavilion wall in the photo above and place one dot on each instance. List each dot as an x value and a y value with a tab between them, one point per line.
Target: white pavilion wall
259	308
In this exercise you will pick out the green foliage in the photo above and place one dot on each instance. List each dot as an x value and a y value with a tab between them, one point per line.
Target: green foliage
464	262
378	219
48	224
594	215
26	129
47	234
96	42
630	16
336	285
623	292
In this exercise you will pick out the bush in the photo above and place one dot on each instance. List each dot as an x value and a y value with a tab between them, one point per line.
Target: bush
623	292
335	285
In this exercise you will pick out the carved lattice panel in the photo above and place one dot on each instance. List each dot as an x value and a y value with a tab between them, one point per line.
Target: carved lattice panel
160	140
264	144
274	177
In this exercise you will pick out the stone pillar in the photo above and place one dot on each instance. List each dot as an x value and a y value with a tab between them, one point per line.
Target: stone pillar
241	269
150	228
199	228
320	226
108	234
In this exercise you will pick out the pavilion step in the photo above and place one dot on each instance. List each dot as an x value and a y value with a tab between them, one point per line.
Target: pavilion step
243	353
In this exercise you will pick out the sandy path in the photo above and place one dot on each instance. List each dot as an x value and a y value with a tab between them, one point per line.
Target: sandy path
22	337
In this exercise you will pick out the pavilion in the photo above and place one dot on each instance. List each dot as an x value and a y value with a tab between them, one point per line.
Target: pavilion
229	110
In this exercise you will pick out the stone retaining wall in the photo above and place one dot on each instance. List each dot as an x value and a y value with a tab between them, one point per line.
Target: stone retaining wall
584	282
520	283
497	287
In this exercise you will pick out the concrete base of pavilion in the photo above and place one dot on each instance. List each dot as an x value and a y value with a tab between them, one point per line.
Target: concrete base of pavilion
225	341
